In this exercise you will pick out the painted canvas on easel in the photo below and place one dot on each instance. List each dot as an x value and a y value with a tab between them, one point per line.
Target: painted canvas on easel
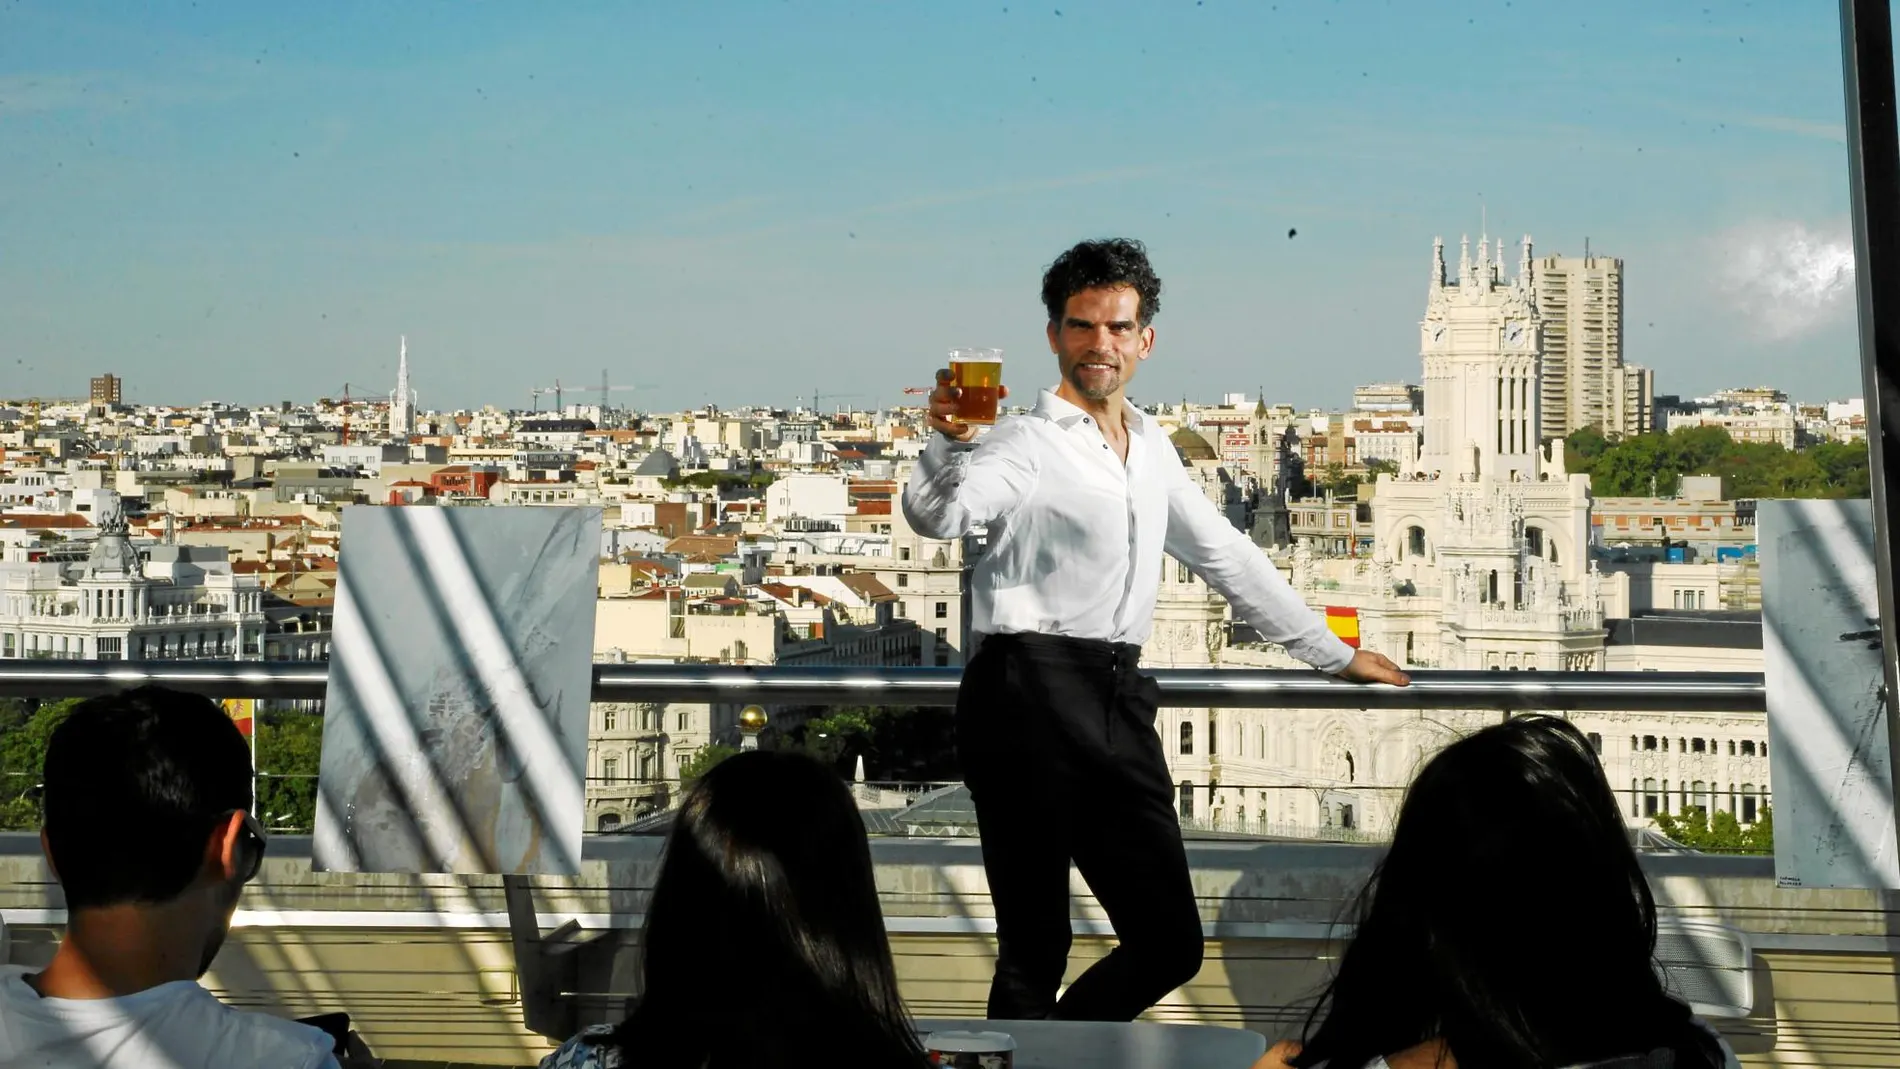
455	723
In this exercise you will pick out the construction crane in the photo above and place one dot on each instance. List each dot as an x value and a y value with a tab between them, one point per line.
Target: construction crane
558	389
345	402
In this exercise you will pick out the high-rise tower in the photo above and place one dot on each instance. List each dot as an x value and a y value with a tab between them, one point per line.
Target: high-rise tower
1586	383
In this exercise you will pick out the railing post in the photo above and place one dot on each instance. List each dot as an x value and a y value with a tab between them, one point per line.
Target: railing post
1873	154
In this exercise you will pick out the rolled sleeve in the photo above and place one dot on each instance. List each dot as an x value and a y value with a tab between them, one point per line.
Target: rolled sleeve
957	486
1201	538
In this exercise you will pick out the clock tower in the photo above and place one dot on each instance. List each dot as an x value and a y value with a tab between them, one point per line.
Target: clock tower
1481	340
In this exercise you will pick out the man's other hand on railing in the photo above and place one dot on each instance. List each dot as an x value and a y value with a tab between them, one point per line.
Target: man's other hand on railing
1368	666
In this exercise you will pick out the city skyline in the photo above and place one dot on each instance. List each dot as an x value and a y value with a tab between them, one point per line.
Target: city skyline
732	210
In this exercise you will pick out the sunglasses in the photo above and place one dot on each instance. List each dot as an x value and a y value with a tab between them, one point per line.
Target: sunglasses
253	846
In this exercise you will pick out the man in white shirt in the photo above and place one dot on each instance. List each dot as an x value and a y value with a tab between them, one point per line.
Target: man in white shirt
1055	727
147	798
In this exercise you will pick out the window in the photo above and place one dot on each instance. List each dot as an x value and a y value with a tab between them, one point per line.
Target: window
943	610
903	553
1187	800
1415	541
608	822
1213	735
1731	747
1352	773
1649	742
1534	541
1665	744
608	718
1345	815
610	771
681	721
1699	795
1649	798
739	651
1596	741
1748	747
1181	573
1698	745
1748	803
903	609
6	645
1408	647
1187	736
903	579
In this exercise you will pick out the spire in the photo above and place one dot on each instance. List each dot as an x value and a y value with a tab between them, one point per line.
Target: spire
1464	260
1438	263
1525	281
1497	263
399	409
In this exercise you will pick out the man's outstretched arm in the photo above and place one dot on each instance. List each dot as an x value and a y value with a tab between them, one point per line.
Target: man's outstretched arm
1200	537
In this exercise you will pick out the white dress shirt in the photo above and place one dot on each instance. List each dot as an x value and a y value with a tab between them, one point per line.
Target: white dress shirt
1076	534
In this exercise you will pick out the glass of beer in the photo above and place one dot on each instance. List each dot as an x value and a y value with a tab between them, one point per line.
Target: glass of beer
978	374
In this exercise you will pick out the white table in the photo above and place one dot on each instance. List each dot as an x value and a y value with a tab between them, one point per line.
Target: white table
1107	1045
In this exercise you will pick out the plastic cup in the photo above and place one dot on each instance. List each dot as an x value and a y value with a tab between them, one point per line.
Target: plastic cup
978	374
971	1050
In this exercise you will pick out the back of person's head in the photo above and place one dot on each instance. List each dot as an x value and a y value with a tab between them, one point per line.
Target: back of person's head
134	785
764	944
1509	917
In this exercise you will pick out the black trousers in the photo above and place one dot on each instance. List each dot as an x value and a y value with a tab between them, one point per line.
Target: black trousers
1057	744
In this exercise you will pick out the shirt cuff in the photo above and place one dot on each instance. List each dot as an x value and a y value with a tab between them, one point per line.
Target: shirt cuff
1329	654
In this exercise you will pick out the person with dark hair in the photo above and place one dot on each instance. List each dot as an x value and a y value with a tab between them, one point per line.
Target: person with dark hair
764	944
148	828
1437	973
1055	726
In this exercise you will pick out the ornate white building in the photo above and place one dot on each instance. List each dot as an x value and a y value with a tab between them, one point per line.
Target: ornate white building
1480	560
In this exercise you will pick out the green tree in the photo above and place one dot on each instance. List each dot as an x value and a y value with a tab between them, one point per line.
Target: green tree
1720	834
25	730
898	743
1645	464
1378	467
289	747
702	761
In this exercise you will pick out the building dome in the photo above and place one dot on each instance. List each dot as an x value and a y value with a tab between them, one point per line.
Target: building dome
1192	446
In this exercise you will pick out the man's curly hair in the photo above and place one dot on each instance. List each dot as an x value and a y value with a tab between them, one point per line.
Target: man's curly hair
1093	264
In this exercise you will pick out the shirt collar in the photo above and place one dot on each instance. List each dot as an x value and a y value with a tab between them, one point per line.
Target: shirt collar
1060	412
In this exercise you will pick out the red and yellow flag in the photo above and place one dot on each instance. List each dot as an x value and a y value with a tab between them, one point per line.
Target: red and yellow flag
1344	623
240	711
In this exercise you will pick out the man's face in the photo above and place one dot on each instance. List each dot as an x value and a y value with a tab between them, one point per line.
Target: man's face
1100	340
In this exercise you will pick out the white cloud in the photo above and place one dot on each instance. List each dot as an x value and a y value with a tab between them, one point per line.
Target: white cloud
1786	278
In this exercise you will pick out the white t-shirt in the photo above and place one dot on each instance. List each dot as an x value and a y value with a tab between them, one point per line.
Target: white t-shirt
178	1025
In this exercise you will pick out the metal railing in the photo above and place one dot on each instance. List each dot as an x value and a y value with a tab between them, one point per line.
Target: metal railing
1232	688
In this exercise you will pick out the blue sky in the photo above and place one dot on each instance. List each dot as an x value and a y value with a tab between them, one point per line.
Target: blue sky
745	201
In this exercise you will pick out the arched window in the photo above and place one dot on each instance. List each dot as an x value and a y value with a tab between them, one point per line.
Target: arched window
1699	795
1352	774
1534	541
1748	803
1187	800
1213	735
1650	801
610	770
1345	816
1491	594
1187	736
1748	747
1596	741
1415	541
608	821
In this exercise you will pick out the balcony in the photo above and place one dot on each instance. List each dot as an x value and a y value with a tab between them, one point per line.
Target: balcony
427	965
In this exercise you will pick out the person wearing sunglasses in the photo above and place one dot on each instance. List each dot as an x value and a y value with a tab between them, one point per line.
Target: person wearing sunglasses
147	826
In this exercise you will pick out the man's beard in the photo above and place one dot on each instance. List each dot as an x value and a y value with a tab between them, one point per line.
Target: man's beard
1102	392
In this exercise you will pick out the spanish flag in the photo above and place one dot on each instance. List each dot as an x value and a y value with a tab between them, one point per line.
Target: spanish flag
240	711
1344	623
